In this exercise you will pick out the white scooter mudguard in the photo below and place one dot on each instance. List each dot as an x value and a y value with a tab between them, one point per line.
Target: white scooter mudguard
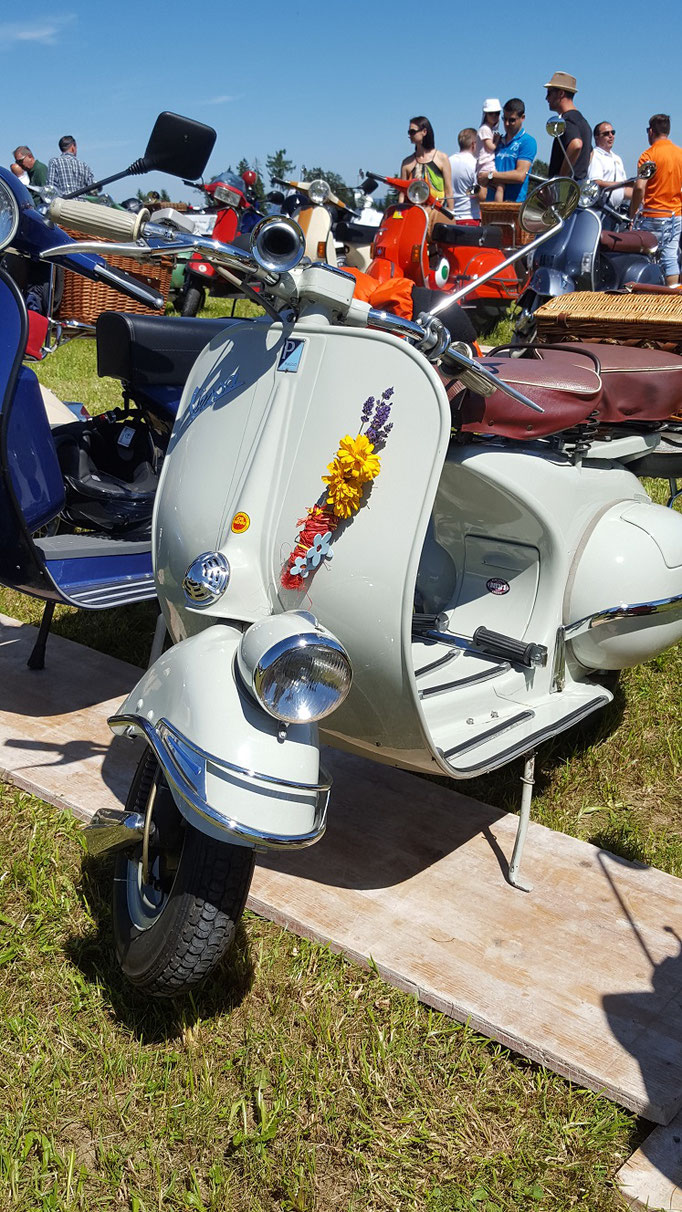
231	773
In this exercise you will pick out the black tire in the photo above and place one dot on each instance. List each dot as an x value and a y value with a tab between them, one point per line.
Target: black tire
172	933
191	300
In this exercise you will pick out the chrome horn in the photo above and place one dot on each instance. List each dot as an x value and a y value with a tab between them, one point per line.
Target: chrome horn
277	244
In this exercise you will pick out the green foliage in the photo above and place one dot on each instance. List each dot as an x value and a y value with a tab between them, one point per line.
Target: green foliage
540	168
278	165
258	188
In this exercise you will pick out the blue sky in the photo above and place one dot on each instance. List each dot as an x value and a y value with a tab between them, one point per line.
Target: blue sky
335	87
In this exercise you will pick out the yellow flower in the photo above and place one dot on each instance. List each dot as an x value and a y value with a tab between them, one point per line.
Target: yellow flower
343	495
356	460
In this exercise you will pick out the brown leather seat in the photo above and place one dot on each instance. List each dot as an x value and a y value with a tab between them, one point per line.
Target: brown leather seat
629	241
566	385
637	384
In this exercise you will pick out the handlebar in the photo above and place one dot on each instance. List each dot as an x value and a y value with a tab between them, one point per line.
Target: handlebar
97	220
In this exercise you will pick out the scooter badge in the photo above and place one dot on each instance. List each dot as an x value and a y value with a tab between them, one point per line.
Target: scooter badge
290	356
497	586
240	523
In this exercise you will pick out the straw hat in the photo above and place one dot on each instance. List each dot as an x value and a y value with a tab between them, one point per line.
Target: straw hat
491	105
564	81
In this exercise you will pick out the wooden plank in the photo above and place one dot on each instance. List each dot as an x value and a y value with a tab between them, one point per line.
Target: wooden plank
651	1180
583	974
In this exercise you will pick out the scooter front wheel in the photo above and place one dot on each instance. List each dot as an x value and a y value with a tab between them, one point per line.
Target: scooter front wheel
178	897
191	301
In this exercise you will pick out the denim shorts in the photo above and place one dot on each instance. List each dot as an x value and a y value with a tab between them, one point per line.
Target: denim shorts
668	229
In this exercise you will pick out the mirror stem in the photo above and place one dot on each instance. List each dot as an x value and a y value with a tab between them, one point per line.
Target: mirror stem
491	273
140	166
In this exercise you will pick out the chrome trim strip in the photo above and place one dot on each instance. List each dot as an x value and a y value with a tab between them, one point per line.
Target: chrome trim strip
443	660
169	763
503	726
531	742
611	614
484	676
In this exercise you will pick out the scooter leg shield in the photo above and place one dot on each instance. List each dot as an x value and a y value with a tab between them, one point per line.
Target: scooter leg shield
232	770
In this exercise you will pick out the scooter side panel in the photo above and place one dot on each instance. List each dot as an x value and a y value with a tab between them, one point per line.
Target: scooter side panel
245	465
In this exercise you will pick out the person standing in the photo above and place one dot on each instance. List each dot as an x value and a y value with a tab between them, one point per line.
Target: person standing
65	171
514	156
425	161
660	196
571	151
35	170
465	186
605	165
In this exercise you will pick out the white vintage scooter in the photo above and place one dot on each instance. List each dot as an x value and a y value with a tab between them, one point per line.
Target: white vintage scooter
336	565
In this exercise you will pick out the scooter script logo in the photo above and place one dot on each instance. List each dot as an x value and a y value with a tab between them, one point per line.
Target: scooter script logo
497	586
202	399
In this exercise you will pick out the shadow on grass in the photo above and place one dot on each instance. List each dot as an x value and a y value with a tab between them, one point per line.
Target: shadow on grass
151	1020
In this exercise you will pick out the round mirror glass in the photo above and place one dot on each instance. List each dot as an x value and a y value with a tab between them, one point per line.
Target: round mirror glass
555	127
548	204
647	169
9	215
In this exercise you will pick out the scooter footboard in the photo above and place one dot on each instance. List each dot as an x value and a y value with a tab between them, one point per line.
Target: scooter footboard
234	773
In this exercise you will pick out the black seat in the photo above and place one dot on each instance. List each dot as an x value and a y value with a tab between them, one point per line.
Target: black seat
487	236
355	233
152	351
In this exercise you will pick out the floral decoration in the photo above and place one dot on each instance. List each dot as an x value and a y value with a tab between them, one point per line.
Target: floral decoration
354	465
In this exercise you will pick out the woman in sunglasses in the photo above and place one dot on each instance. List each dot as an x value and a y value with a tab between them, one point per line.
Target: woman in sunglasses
426	161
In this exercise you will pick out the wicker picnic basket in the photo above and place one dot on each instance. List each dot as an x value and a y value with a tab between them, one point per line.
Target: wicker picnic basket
640	318
85	300
506	216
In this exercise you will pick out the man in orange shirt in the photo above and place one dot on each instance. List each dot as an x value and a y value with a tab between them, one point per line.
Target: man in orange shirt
660	196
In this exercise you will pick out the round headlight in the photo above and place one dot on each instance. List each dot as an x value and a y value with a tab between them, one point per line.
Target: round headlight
418	192
318	191
299	675
9	215
589	192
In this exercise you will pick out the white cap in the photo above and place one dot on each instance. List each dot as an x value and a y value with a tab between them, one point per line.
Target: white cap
491	105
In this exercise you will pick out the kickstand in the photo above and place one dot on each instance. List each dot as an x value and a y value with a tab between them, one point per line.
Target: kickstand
527	782
157	642
37	657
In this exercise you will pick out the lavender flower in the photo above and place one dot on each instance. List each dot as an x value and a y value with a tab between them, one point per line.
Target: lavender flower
386	395
367	410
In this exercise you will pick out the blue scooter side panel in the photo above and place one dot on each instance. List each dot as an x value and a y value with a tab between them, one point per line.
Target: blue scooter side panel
31	455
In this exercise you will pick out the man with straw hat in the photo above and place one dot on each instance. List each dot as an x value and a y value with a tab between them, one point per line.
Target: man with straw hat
571	151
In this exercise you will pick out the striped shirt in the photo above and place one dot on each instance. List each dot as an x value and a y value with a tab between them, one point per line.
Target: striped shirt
67	172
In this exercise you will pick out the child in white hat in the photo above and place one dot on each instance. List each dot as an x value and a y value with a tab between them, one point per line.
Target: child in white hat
487	139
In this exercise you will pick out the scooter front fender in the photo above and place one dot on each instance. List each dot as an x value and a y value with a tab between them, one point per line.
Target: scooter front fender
233	771
551	282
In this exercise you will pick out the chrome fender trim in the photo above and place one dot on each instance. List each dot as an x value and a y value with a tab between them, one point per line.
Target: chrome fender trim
234	772
670	608
184	765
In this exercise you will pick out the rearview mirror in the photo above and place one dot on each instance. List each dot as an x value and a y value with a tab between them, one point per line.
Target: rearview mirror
555	127
549	204
179	146
369	185
647	169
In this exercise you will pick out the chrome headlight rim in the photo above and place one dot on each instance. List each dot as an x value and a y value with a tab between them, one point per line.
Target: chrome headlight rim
319	191
589	194
8	203
263	674
418	192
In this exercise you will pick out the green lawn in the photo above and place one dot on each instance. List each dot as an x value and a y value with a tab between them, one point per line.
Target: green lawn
296	1081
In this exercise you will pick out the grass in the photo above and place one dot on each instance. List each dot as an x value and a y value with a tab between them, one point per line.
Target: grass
309	1084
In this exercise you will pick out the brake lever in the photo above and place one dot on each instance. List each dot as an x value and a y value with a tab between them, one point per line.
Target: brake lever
480	379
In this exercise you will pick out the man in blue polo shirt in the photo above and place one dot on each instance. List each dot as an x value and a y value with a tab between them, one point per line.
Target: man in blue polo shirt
514	156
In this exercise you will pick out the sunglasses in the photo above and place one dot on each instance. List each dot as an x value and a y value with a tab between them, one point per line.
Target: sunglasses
511	117
604	133
414	130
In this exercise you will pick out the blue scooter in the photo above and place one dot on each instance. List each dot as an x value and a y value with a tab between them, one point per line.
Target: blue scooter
76	500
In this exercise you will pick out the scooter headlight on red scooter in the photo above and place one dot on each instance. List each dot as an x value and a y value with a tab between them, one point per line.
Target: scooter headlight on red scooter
295	669
222	193
418	192
9	215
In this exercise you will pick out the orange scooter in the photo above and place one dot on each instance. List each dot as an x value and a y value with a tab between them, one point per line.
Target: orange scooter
446	257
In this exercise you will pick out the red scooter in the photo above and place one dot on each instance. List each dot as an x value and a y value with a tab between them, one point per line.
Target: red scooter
442	256
235	203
